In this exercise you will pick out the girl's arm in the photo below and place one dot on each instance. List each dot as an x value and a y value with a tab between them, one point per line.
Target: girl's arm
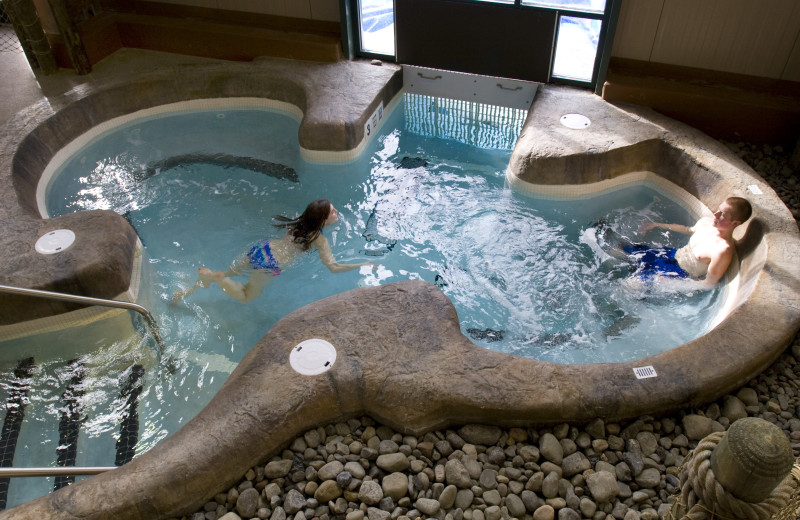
325	254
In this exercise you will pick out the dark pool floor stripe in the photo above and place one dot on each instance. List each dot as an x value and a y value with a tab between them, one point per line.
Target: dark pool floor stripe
15	414
129	428
69	425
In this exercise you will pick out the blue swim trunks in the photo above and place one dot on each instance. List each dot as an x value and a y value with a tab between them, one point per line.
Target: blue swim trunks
260	258
656	261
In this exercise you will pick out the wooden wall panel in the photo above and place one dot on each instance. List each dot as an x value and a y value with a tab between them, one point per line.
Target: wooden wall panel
210	4
792	70
636	29
291	8
740	36
327	10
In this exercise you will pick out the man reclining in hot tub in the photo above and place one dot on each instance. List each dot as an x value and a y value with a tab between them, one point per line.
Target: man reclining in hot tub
704	259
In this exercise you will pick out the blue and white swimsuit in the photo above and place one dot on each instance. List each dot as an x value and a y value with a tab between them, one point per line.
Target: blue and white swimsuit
656	261
261	259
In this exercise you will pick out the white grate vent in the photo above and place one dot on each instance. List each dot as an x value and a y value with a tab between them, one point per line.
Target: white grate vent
645	372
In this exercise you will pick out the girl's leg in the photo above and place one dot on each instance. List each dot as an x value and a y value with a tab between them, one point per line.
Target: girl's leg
231	287
206	277
180	294
255	285
235	289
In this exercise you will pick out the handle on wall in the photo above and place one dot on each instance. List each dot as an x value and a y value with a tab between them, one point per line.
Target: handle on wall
423	76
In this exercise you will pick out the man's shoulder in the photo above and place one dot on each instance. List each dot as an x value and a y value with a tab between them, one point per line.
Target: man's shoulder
725	247
705	222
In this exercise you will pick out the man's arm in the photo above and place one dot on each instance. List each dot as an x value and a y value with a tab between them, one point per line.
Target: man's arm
717	268
680	228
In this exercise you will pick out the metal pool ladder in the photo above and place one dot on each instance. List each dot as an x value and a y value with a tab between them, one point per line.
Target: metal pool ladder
93	301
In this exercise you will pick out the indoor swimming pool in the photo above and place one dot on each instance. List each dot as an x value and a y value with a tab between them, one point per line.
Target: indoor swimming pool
526	274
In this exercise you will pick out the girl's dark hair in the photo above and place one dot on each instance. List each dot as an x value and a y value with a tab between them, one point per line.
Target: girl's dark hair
306	228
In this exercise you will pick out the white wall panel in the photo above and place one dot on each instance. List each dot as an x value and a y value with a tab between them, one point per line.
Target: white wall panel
636	28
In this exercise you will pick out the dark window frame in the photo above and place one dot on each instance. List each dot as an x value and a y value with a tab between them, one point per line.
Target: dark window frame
351	36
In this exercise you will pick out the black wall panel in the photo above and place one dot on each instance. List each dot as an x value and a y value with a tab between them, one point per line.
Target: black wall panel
475	37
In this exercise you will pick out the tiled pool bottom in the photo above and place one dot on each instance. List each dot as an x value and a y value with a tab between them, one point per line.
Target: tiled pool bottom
418	375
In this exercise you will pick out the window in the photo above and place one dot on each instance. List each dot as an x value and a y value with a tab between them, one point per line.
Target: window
376	26
570	42
576	48
592	6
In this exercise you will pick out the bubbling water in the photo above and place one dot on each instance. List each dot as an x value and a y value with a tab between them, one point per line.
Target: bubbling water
528	276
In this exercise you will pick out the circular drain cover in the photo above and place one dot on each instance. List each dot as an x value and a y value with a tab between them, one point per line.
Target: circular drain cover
54	241
312	357
575	121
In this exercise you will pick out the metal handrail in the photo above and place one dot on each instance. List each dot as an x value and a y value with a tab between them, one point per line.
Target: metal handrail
53	472
92	301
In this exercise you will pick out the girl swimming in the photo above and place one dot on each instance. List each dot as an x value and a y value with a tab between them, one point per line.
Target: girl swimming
265	259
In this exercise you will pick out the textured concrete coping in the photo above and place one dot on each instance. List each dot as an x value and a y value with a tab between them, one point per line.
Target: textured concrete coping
402	359
335	100
762	314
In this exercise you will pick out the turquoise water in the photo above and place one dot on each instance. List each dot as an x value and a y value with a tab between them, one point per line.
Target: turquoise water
515	267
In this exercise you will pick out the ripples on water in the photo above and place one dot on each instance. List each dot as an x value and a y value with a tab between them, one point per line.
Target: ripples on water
531	271
527	276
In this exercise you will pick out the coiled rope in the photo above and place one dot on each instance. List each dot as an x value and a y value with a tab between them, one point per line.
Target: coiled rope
703	498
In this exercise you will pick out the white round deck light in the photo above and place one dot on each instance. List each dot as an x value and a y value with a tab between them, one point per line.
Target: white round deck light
575	121
54	241
312	357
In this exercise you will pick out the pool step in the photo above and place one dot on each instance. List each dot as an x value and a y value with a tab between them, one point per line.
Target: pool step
69	425
15	414
129	428
72	383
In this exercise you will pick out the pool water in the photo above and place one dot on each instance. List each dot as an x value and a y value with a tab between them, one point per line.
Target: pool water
71	384
524	274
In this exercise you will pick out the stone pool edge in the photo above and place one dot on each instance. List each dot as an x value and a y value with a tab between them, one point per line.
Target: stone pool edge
420	374
336	100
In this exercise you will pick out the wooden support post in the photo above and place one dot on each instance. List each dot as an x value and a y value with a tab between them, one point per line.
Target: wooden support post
31	35
752	459
72	40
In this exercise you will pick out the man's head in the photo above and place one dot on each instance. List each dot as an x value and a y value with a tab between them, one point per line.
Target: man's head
741	208
732	212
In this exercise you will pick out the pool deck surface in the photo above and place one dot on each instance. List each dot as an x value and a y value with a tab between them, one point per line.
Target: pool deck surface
401	357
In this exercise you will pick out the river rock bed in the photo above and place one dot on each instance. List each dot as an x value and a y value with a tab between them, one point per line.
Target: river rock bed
359	469
778	166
